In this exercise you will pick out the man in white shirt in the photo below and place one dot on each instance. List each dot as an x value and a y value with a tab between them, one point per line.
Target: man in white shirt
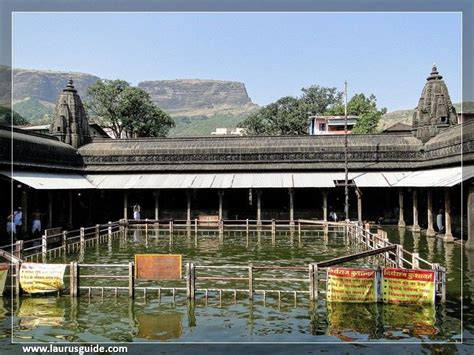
18	220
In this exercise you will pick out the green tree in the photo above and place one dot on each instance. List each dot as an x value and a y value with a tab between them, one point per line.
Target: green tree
286	116
289	115
126	110
366	109
10	117
319	100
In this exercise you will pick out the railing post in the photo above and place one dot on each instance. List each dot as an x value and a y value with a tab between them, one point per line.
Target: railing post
399	256
18	248
221	230
17	279
74	279
415	263
192	271
247	226
146	227
171	227
131	280
71	279
311	281
299	229
443	284
188	281
81	238
97	232
316	281
250	281
64	241
44	247
273	232
195	226
109	232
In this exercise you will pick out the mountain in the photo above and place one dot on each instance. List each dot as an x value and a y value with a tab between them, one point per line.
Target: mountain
210	103
195	97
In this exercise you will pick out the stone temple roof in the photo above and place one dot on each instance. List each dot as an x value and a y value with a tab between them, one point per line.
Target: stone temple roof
251	153
34	150
236	153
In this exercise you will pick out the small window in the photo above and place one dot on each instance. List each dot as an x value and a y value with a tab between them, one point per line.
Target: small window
59	129
322	127
443	119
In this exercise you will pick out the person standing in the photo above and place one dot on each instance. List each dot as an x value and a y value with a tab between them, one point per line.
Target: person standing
11	228
439	221
136	212
18	221
36	223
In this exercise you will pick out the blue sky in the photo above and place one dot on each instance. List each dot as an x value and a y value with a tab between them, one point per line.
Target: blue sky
274	54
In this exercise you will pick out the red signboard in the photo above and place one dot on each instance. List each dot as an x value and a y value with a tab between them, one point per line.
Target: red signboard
158	266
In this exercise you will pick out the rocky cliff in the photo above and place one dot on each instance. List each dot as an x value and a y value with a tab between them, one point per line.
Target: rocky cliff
45	85
197	96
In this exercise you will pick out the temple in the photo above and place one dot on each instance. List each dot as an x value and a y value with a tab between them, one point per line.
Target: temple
70	124
79	180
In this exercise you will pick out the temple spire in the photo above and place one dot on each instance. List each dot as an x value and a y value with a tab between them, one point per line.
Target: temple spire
70	123
435	110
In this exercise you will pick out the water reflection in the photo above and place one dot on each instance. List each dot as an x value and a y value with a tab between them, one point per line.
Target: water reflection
448	254
40	311
160	326
430	241
416	242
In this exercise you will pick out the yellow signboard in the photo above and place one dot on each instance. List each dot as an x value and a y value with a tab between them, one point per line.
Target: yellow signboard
3	276
408	286
38	278
158	266
351	285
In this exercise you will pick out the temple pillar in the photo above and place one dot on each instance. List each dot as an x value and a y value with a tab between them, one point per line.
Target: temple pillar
470	217
325	205
125	205
50	209
416	227
220	193
157	205
448	236
430	232
188	208
401	220
291	192
259	207
359	205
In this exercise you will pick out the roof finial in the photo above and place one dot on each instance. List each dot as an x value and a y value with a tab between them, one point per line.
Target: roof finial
434	69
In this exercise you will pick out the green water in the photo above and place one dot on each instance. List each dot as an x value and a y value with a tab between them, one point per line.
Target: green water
174	319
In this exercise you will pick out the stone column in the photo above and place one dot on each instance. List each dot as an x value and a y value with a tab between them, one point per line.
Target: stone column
188	208
325	205
470	217
359	205
430	232
125	205
259	206
291	192
416	227
157	204
220	193
50	209
401	220
448	236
